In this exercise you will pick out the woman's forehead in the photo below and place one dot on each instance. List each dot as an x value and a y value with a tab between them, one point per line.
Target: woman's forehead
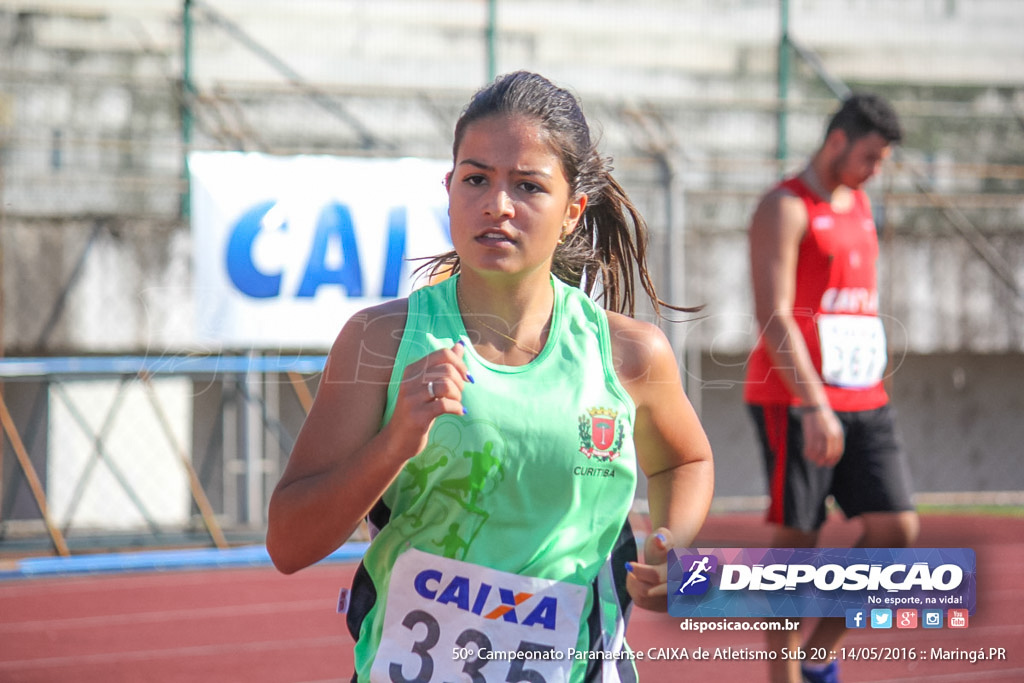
502	138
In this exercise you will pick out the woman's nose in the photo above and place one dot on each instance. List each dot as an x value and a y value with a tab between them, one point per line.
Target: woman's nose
500	203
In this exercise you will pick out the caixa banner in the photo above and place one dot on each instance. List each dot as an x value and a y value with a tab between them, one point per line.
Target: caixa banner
286	249
817	582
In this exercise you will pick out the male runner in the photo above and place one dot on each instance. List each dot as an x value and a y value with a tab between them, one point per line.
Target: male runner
814	380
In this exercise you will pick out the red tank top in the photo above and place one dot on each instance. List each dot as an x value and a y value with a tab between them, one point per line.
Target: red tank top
835	307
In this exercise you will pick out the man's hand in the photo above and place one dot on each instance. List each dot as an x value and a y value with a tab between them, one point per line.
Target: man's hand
823	436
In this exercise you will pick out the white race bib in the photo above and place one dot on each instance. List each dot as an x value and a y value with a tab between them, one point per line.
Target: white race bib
853	351
450	621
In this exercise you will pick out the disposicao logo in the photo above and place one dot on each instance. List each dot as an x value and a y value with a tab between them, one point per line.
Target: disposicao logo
696	579
809	582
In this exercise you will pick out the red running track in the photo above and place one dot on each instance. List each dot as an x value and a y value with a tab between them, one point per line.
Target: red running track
257	626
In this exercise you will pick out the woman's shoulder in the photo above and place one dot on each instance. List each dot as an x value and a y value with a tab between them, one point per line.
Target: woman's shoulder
368	342
380	319
639	348
645	362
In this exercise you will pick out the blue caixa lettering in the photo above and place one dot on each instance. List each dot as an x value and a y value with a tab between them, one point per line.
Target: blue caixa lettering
460	592
335	225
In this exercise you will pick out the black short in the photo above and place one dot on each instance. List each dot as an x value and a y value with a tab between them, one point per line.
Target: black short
872	476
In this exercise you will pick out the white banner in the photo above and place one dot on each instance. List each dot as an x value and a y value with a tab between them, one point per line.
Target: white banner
286	249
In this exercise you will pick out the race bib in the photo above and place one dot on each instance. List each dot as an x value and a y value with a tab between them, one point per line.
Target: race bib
448	620
853	351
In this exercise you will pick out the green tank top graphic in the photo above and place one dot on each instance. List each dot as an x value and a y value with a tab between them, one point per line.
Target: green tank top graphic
538	477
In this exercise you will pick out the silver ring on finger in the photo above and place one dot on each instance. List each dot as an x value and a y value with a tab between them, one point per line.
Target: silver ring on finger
430	390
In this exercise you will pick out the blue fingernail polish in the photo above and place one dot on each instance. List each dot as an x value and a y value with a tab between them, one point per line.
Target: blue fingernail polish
661	537
464	410
470	378
462	342
629	567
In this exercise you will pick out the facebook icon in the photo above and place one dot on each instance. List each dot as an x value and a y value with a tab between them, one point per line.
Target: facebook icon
856	618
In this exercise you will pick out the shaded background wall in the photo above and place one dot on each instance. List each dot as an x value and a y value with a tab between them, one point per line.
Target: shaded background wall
696	102
955	413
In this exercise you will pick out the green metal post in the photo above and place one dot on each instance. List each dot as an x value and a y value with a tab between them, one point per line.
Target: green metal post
187	95
492	39
782	146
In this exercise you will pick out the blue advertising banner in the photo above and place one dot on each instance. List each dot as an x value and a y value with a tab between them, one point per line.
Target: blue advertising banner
286	249
818	582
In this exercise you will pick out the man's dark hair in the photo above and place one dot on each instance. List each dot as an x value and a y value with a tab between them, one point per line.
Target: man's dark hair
865	113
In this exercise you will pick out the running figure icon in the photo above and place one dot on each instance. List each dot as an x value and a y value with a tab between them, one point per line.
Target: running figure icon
697	570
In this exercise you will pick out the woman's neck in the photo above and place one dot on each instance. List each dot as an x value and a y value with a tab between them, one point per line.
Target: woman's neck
506	322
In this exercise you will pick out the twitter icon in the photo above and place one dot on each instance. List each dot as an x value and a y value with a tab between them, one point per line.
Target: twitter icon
881	618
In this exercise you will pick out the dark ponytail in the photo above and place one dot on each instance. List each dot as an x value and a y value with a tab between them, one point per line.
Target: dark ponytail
610	241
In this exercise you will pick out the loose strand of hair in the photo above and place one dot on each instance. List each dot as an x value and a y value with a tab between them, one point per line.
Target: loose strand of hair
625	239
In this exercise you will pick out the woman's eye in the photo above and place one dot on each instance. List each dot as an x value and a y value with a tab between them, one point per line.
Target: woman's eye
531	188
474	180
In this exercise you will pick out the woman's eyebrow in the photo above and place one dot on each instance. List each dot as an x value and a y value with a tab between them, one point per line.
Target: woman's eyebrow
528	172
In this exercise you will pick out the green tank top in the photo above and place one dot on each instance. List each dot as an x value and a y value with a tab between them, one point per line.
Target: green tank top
536	480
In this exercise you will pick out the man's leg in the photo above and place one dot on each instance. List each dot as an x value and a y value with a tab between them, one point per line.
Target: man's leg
873	481
796	512
787	670
888	529
880	530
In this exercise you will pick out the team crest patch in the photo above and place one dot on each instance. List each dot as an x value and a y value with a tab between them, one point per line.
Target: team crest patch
601	434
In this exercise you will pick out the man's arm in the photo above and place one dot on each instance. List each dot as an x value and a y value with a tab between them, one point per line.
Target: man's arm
778	226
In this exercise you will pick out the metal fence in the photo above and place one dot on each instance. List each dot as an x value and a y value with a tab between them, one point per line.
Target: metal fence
122	451
100	102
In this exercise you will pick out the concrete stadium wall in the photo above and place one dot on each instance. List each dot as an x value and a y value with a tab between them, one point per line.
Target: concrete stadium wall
958	415
90	134
96	255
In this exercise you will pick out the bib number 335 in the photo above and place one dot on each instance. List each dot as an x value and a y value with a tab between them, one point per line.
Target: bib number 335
448	621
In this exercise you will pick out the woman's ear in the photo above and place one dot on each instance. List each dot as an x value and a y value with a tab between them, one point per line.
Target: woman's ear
574	212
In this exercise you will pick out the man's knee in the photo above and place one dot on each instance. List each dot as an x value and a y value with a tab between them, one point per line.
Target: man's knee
790	537
889	529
